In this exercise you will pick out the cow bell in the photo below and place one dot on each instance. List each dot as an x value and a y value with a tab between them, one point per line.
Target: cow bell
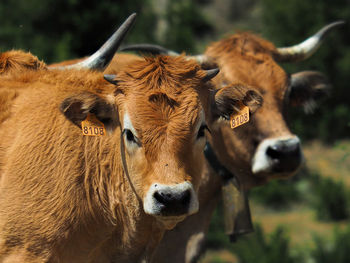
237	216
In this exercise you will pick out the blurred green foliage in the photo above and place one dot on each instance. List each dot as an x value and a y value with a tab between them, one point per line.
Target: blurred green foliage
330	198
286	23
256	247
262	248
59	30
185	25
337	251
216	237
277	194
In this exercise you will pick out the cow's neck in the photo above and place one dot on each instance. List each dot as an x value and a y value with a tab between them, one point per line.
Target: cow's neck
232	153
128	233
135	234
214	162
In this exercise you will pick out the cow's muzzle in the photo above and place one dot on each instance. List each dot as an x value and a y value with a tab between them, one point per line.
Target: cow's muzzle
278	156
171	200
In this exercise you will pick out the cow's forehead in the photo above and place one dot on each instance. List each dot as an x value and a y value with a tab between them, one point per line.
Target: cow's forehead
160	109
162	91
248	59
243	44
161	123
162	96
170	75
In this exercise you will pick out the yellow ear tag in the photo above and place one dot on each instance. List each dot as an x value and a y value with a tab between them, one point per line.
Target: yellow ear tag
91	126
240	118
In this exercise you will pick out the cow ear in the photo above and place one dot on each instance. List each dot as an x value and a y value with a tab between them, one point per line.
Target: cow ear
306	88
229	99
77	107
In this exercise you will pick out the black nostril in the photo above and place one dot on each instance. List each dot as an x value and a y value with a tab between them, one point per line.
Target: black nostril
273	152
162	198
186	197
173	202
286	155
283	149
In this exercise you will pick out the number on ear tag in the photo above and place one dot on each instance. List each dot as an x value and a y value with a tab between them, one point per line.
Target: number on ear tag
91	126
240	118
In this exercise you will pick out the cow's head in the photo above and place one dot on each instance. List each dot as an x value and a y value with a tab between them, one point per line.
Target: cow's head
159	109
264	148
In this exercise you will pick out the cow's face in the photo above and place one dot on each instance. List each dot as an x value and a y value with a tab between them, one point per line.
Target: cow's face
163	106
163	140
264	148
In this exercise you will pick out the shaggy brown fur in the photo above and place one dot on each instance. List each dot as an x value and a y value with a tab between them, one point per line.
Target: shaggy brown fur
14	62
66	197
18	61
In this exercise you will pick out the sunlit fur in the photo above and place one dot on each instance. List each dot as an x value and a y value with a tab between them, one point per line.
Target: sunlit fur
247	59
65	197
166	121
17	61
162	102
14	61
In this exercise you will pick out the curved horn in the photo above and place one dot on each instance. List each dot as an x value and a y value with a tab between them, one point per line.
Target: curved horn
211	73
306	48
110	78
102	57
149	48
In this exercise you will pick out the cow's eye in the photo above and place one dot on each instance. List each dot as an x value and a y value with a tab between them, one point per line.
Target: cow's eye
201	132
129	136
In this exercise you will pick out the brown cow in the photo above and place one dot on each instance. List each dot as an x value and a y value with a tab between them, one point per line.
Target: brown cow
66	197
264	148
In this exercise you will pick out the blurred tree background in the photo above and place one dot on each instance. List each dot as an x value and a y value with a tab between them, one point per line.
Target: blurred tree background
60	30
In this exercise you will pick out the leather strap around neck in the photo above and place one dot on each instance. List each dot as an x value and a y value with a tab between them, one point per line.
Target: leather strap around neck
214	162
